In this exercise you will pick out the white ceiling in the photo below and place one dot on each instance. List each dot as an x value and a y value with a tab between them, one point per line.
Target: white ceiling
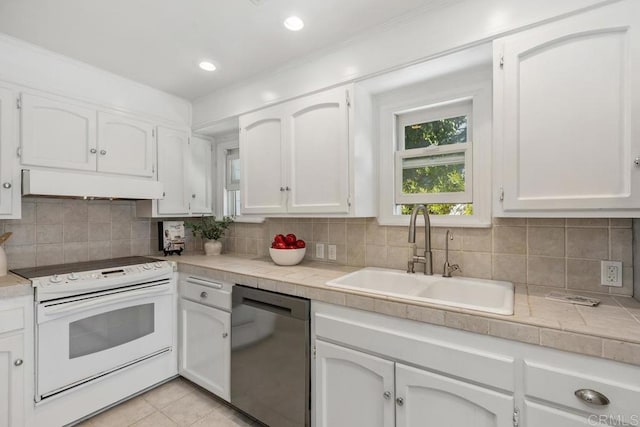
161	42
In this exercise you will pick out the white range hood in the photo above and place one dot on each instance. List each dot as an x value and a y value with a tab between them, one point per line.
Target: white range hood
69	184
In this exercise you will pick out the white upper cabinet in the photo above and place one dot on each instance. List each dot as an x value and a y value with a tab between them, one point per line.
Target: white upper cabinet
57	133
9	169
173	152
200	175
567	115
185	171
262	174
318	150
309	156
125	145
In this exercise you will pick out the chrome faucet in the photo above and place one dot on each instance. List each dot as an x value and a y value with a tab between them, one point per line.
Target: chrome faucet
415	258
448	268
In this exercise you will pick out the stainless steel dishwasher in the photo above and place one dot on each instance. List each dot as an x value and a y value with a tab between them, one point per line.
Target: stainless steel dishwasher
270	364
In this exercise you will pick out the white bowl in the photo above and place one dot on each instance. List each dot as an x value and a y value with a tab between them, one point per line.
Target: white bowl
287	256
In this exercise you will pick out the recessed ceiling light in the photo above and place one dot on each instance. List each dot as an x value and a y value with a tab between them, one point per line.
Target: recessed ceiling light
207	66
293	23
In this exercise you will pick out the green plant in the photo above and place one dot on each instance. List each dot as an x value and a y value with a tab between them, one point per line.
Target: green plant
209	228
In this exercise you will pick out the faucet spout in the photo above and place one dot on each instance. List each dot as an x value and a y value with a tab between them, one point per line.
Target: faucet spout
425	259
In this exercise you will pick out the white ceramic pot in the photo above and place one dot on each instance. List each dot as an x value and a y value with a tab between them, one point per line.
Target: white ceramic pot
212	247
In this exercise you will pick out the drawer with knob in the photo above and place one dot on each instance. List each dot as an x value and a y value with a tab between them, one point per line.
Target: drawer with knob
588	392
205	291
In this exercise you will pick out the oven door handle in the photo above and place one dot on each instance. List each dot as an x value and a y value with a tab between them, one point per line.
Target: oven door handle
53	311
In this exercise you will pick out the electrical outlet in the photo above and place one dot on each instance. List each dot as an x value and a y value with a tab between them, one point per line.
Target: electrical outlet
611	273
331	252
320	250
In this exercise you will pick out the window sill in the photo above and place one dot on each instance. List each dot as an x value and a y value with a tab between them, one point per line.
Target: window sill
249	219
437	221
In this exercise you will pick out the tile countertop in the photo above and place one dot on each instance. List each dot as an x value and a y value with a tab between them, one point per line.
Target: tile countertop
610	330
12	285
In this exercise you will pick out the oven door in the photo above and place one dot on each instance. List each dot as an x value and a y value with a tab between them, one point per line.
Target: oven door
85	337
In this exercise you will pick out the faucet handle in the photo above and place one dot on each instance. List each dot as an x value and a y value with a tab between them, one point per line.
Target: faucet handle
411	267
454	267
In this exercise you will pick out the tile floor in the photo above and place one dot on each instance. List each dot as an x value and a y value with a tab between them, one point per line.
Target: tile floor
176	403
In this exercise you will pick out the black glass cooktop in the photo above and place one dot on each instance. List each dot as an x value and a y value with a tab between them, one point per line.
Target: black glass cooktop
78	267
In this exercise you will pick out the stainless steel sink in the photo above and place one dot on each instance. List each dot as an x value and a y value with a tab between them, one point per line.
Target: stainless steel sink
489	296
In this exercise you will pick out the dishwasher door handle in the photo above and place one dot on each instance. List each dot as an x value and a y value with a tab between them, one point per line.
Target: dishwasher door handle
283	311
284	305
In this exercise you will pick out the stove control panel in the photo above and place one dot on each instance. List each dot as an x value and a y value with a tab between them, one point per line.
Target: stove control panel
84	276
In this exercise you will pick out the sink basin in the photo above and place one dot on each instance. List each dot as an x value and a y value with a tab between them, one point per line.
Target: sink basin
489	296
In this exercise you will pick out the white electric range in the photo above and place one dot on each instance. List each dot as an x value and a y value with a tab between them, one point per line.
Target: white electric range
95	324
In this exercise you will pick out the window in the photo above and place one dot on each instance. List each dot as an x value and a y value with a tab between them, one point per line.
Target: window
228	178
232	182
434	158
435	149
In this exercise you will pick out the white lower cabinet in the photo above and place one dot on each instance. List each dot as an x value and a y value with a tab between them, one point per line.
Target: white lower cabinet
12	404
205	346
424	398
16	361
376	370
355	389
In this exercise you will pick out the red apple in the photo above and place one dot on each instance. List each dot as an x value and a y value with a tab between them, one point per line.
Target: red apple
279	238
281	245
290	239
300	244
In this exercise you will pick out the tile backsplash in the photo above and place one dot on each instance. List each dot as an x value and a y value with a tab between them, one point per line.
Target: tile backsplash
555	252
54	231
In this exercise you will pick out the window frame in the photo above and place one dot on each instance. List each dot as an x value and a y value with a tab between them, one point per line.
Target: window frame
455	108
225	142
474	85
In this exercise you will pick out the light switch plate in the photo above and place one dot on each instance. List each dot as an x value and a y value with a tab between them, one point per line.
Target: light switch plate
611	273
331	252
320	250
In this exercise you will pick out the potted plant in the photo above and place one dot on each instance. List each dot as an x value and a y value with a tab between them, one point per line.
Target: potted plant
211	231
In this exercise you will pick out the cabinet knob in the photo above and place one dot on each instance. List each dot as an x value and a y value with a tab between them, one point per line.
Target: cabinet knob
281	188
387	395
224	335
18	362
93	151
287	188
204	295
103	152
592	397
6	185
193	196
637	161
400	401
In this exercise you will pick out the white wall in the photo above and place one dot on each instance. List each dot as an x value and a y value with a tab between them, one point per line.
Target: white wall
27	65
460	24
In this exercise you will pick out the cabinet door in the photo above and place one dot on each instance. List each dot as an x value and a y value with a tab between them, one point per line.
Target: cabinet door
205	350
567	118
350	388
8	144
125	145
11	381
262	188
429	399
173	151
57	133
200	176
318	153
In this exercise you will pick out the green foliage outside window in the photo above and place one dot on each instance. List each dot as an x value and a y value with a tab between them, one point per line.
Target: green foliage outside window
436	179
